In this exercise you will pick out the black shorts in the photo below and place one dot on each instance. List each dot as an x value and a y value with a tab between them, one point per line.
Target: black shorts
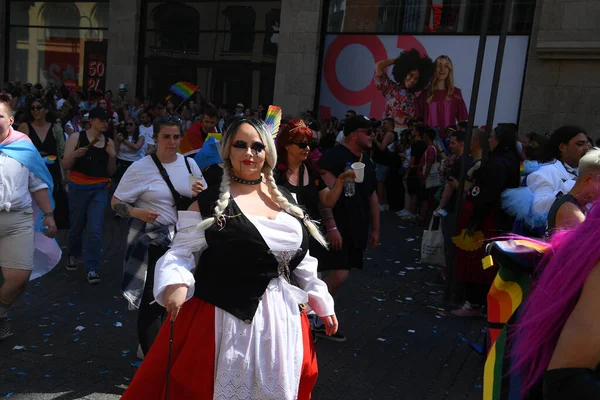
414	185
350	256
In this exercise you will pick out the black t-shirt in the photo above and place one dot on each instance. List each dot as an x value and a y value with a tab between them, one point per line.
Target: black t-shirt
455	170
384	157
307	196
352	214
417	150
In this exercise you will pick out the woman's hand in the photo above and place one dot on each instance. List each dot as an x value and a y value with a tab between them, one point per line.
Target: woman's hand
335	240
331	324
50	224
197	187
173	298
145	215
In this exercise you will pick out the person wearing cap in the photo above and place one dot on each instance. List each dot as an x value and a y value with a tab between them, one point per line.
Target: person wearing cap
355	221
239	110
91	158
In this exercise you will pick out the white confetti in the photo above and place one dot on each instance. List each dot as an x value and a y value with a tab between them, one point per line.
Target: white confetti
409	268
118	324
411	331
80	328
378	299
381	339
18	347
410	240
408	298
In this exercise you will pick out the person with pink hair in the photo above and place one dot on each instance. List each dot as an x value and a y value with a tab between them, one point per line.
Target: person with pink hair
556	348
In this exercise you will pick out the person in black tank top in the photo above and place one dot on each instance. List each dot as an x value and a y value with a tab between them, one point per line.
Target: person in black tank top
569	210
49	140
91	158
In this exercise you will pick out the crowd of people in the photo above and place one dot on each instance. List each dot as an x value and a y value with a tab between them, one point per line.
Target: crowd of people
196	181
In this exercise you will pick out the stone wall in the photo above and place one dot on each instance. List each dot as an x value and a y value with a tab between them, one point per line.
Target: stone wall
298	55
562	81
123	41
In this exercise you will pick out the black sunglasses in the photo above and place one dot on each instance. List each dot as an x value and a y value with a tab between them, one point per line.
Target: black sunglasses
130	124
301	145
256	147
168	118
36	108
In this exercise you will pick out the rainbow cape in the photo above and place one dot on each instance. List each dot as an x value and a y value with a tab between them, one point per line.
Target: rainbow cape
517	259
184	89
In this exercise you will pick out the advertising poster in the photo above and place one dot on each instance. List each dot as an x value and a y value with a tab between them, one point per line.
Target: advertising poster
348	73
94	65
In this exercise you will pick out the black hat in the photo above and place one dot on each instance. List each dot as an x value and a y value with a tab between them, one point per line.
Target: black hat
99	112
355	123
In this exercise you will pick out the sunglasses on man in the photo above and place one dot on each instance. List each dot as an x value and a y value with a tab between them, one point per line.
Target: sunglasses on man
169	118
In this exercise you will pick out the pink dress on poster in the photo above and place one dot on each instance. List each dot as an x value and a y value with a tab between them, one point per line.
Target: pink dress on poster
441	111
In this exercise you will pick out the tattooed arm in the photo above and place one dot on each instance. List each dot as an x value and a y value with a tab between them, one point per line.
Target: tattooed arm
126	211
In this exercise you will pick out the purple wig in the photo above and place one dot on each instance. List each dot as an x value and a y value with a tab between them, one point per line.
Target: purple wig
554	294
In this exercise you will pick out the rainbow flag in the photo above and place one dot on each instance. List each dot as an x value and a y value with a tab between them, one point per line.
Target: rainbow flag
184	89
168	97
516	260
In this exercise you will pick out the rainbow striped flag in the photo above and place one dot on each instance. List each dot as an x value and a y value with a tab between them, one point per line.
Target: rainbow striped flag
184	89
517	260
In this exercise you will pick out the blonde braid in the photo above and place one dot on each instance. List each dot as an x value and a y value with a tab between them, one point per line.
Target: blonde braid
222	202
296	211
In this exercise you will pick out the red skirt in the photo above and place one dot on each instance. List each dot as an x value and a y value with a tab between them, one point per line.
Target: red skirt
469	268
193	359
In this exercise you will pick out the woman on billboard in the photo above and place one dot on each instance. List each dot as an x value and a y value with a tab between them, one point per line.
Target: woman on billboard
442	103
411	73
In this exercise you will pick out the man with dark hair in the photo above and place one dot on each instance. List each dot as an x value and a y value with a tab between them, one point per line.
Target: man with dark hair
194	137
565	148
355	219
340	136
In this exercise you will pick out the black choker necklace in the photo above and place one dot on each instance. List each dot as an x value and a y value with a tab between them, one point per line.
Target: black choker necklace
246	182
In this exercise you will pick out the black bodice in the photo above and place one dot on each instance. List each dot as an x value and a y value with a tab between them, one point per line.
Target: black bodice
235	269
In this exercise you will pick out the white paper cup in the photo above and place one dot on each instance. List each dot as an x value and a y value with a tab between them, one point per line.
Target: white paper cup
359	171
194	179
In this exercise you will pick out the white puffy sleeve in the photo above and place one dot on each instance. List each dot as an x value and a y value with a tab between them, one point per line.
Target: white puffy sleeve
306	277
176	266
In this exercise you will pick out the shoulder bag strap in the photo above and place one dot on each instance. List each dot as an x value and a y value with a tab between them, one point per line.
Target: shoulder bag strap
165	175
187	164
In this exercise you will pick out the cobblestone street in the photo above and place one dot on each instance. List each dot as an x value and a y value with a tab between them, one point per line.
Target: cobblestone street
76	341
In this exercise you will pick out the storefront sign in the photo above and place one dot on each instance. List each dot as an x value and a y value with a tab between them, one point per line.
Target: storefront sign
94	74
349	66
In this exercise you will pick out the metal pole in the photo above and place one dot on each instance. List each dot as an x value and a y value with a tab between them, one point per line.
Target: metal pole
498	66
451	284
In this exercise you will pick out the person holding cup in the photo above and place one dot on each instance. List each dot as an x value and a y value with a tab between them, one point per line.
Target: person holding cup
355	219
151	192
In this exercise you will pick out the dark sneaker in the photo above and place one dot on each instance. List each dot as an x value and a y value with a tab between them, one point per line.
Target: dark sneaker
72	264
93	277
336	337
4	329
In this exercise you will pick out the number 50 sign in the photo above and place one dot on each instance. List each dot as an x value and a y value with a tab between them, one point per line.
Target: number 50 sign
95	65
346	98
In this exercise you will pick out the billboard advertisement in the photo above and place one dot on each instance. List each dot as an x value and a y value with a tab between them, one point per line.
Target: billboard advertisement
348	77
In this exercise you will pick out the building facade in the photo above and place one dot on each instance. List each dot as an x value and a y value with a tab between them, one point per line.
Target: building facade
284	51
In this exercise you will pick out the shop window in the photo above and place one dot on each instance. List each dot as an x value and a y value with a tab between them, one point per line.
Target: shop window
242	21
425	16
176	27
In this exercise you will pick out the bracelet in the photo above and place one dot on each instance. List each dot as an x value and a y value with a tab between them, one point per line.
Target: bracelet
48	214
332	229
